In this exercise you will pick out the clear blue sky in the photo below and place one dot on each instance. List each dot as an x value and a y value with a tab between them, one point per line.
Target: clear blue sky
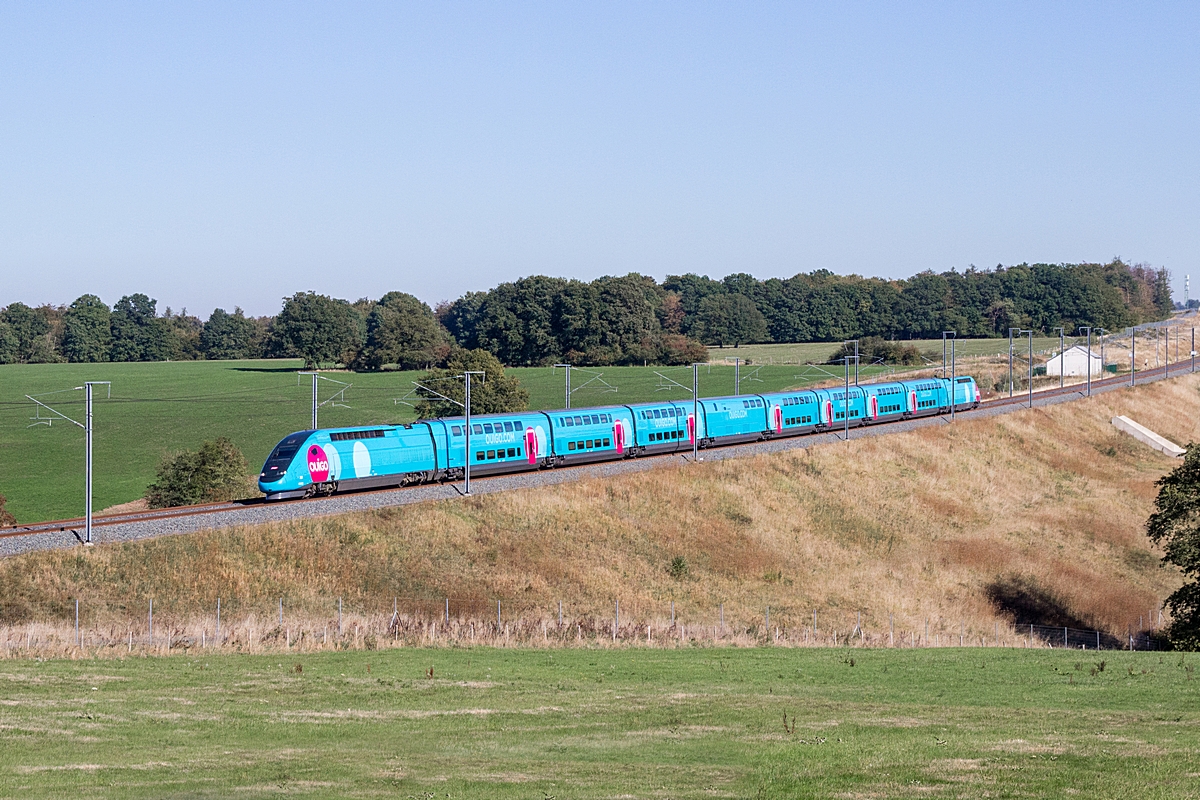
216	154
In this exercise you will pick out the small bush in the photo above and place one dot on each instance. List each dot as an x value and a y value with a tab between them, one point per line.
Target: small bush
876	350
6	518
679	567
217	471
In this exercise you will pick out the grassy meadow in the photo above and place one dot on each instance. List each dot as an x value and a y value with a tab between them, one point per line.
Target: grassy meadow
805	352
970	526
496	723
159	408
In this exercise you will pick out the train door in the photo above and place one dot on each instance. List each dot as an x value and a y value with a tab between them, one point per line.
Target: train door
619	436
777	416
531	445
912	402
828	412
874	411
691	426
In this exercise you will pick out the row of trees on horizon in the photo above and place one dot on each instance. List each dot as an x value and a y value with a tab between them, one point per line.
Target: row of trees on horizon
630	319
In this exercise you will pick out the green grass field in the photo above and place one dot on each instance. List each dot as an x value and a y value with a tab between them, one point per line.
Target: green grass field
157	408
821	351
763	723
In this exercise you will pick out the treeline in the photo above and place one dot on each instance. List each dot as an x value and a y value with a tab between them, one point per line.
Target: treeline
631	319
398	329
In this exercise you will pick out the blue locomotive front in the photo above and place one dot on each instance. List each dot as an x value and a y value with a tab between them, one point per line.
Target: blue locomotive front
324	461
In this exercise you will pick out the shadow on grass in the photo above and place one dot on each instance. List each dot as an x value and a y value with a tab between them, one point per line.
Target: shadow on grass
1026	602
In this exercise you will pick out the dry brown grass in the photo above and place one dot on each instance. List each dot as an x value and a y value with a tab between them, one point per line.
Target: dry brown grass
915	525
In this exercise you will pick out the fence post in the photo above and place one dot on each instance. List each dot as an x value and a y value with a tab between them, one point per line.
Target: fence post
339	617
1097	640
77	622
497	617
218	621
1064	636
722	613
281	612
672	613
891	630
961	631
560	613
768	627
447	610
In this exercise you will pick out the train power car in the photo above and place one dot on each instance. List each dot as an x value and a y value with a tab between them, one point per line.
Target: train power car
317	462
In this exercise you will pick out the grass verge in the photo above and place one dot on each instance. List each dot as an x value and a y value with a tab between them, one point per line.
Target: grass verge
695	723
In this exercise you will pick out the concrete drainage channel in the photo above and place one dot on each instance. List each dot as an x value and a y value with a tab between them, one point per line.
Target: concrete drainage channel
367	501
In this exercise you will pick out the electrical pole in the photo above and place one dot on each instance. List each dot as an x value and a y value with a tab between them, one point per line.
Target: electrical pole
695	412
737	377
953	336
87	431
846	399
567	400
87	443
856	362
1030	332
1010	360
1089	357
467	439
316	403
1133	357
1062	355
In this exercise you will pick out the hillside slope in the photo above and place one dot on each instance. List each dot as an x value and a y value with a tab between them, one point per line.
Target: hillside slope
1034	516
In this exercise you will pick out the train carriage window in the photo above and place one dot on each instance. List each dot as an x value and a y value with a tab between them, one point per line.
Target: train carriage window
477	430
518	451
570	423
479	456
508	426
456	430
607	442
491	454
512	452
588	443
570	445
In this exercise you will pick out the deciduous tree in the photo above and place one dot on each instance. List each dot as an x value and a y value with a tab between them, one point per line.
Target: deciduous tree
491	393
403	331
318	329
86	330
1175	526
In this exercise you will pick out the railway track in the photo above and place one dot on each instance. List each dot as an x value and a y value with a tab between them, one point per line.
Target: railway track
167	517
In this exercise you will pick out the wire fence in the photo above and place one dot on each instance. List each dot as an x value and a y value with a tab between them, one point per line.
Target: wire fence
479	621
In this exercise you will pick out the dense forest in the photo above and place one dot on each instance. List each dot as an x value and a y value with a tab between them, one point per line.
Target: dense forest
631	319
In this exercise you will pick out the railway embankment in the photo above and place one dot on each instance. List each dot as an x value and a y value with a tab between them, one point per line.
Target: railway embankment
1031	515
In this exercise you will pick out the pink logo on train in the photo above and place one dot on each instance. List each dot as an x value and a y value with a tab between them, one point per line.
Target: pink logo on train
318	464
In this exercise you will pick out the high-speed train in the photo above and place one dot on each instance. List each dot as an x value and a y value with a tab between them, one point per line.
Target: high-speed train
329	460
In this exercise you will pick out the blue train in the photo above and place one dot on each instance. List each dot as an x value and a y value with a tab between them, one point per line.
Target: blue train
308	463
